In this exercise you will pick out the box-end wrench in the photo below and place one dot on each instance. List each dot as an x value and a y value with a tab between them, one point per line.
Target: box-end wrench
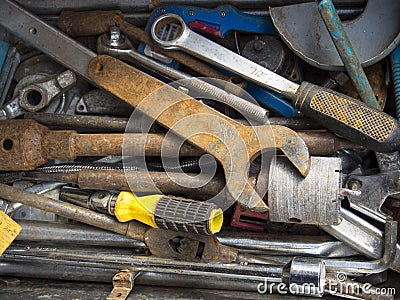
340	113
233	144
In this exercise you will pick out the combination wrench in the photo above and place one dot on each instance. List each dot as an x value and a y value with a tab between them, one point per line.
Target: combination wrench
231	143
342	114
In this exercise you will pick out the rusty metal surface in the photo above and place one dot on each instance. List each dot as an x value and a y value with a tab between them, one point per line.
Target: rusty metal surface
118	180
87	23
25	144
80	123
98	22
34	144
325	143
346	52
207	128
66	210
87	123
20	145
189	246
123	283
376	77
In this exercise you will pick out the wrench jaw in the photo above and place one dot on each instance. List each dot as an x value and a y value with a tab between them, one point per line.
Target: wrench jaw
240	188
243	142
294	147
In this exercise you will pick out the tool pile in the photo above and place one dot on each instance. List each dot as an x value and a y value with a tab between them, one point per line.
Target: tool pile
246	147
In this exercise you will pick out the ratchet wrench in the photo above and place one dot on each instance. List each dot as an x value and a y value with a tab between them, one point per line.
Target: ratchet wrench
340	113
233	144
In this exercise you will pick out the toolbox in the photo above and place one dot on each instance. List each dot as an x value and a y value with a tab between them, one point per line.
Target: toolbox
191	150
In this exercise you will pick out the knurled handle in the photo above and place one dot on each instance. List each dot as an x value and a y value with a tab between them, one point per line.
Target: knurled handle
349	118
184	215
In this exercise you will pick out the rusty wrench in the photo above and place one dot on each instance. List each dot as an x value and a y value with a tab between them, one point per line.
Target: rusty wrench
233	144
342	114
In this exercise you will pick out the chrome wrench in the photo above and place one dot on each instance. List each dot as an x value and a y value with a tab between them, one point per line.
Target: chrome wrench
344	115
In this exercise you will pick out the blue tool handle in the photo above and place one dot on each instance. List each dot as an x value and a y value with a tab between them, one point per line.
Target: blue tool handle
225	18
273	101
395	62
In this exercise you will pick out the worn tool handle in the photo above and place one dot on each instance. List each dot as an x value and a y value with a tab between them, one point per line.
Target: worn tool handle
349	118
87	22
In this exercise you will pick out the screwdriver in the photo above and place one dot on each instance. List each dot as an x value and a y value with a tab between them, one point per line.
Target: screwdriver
342	114
157	211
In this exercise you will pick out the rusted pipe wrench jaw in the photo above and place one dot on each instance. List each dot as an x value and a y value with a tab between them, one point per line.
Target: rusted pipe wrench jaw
342	114
234	145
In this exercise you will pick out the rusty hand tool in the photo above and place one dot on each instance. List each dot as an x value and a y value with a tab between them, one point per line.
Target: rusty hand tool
25	144
118	180
85	23
88	123
161	243
209	130
340	113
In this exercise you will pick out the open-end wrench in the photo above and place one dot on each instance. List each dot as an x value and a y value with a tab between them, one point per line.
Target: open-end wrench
340	113
233	144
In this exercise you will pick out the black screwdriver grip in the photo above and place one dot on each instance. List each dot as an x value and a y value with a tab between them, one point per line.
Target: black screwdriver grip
349	118
184	215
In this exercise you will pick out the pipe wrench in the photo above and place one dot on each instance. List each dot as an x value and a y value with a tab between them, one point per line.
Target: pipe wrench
233	144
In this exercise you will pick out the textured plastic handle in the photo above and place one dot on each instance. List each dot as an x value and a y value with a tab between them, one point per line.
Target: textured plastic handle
187	216
349	118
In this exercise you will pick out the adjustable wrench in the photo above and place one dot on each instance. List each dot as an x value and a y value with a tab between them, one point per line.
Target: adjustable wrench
344	115
233	144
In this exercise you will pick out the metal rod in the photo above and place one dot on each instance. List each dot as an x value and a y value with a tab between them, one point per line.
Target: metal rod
347	53
87	123
67	210
259	244
133	181
140	18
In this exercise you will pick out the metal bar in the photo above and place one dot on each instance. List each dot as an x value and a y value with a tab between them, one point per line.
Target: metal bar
81	123
346	52
73	233
358	233
118	180
140	18
86	123
47	39
257	244
70	211
55	7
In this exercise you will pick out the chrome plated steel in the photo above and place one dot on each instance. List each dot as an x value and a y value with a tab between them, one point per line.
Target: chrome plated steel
37	95
195	44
